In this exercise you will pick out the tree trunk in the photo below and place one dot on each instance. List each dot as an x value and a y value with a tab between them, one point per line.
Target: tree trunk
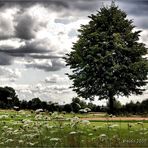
111	103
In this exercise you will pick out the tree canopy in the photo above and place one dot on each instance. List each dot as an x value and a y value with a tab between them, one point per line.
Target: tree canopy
8	97
107	60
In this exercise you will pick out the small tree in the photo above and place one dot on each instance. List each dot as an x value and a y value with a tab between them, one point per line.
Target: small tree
8	97
107	58
35	103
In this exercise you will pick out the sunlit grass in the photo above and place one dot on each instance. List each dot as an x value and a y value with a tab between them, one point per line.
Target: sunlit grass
27	129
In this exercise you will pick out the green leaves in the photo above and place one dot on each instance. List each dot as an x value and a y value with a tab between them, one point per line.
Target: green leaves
107	58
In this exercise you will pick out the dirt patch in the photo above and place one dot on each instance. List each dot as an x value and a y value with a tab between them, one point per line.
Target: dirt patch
118	118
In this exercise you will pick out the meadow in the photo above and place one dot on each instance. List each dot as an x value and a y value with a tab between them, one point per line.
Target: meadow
29	129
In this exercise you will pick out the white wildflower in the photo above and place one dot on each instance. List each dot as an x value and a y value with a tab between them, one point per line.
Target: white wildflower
38	110
4	116
140	123
129	125
75	119
87	109
9	140
55	139
114	126
97	127
31	143
5	127
20	141
83	111
102	136
48	126
10	128
54	114
1	143
141	133
85	122
145	133
72	133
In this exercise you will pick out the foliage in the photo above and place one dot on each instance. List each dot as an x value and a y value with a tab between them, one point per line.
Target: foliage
35	103
107	59
75	106
8	97
135	108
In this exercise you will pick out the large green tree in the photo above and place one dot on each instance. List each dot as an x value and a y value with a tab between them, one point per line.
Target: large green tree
107	60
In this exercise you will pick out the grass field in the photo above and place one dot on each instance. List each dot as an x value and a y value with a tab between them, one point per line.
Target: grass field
27	129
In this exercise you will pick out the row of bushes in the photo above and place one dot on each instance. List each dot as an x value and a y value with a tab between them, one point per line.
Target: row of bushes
9	99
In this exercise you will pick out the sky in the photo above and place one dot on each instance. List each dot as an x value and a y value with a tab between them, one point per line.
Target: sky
36	34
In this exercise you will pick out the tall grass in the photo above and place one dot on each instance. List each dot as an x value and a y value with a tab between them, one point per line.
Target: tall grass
26	129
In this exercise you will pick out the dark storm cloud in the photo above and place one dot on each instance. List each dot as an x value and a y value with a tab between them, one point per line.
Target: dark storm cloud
27	25
25	50
42	56
5	59
67	4
137	10
85	5
141	22
141	2
62	20
24	28
81	5
6	26
28	3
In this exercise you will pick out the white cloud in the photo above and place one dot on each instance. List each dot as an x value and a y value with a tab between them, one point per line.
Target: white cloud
144	36
12	43
54	93
31	21
46	64
8	74
44	35
55	78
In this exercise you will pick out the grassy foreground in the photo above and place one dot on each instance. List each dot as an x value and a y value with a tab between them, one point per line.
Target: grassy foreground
27	129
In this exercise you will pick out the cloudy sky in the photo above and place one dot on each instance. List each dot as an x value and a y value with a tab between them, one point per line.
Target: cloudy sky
34	36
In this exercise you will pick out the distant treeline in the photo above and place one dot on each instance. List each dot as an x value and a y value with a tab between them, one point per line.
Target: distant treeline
9	100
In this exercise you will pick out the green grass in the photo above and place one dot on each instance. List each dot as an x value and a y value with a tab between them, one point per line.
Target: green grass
26	129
